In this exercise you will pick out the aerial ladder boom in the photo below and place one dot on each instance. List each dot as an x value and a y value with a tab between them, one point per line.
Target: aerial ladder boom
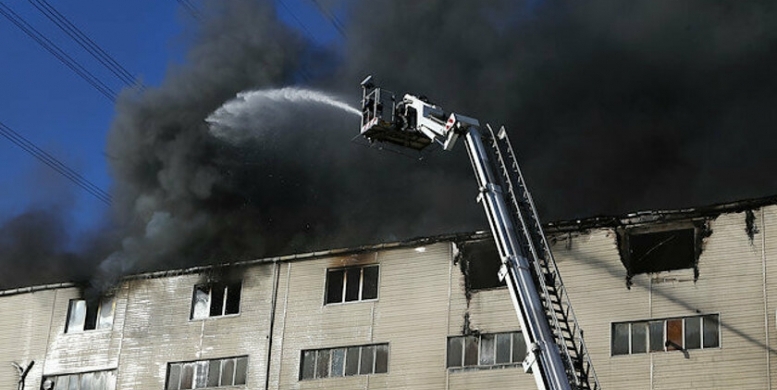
557	356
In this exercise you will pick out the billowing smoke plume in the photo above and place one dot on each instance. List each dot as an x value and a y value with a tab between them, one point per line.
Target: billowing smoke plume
612	107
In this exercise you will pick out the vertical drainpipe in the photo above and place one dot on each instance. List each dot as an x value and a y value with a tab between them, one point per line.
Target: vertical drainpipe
276	274
766	303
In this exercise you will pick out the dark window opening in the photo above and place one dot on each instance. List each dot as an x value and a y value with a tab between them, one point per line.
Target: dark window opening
480	263
215	300
658	251
352	284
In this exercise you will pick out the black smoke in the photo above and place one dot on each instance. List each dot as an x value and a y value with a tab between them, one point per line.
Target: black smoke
612	106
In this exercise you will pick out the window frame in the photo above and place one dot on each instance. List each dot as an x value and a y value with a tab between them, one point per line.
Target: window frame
513	335
224	301
86	325
344	290
207	376
664	332
330	352
55	378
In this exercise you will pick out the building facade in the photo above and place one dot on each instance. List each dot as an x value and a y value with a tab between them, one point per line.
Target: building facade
667	300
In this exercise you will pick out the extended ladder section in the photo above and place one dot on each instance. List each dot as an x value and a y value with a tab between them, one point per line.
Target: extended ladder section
555	301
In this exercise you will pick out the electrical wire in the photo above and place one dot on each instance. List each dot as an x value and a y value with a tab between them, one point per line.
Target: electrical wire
338	25
85	42
57	52
55	164
191	9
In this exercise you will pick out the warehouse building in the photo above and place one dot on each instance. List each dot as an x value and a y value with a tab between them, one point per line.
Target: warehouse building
667	300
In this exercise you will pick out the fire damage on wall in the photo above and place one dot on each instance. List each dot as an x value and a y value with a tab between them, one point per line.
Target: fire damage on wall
478	260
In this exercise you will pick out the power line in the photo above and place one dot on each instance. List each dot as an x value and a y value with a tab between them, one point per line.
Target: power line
294	16
54	163
338	25
57	52
191	9
85	42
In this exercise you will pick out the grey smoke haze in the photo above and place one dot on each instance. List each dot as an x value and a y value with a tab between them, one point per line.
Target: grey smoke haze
612	106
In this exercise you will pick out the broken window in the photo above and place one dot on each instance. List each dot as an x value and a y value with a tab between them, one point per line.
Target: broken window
646	251
203	374
480	264
351	284
486	350
89	315
215	299
96	380
683	333
344	361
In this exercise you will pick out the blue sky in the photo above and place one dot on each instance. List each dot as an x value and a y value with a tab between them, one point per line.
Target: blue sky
54	108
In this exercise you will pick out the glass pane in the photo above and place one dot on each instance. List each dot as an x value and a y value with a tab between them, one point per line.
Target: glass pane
352	281
73	382
308	365
60	382
503	348
322	364
370	284
241	367
693	333
87	381
214	372
233	299
470	351
639	337
76	316
201	374
367	360
174	377
674	334
334	286
200	302
487	349
227	372
381	358
187	376
620	339
455	351
105	317
338	361
110	380
711	331
519	347
352	361
217	300
656	329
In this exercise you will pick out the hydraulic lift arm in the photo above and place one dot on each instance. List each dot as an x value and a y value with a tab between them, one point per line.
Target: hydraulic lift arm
557	356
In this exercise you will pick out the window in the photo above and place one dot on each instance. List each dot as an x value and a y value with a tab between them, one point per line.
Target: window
351	284
671	334
479	262
216	299
89	315
487	349
344	361
97	380
646	251
207	373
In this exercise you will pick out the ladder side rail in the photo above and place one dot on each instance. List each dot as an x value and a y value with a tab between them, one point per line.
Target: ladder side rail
530	242
548	368
578	332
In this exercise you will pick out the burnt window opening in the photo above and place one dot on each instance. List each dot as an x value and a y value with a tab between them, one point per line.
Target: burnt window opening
670	334
98	380
215	300
486	350
352	284
204	374
83	315
480	263
657	251
344	361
